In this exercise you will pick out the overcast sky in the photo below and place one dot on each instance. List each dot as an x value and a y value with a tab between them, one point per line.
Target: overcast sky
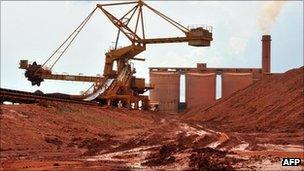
33	30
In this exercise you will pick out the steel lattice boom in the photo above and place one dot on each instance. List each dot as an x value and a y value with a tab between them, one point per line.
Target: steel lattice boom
118	87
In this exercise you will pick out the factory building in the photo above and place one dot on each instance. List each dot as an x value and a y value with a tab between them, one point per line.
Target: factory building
166	90
200	89
232	82
200	83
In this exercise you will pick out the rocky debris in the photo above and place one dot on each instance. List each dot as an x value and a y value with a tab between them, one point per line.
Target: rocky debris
163	156
199	158
209	159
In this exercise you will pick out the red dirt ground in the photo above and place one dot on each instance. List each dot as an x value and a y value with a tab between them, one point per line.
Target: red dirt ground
252	129
272	105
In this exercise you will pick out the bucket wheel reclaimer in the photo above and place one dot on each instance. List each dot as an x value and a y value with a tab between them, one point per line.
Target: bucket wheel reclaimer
118	87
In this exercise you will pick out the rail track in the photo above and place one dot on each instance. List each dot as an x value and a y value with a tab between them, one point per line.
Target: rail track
17	96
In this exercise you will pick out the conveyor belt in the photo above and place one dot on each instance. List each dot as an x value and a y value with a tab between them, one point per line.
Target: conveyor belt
17	96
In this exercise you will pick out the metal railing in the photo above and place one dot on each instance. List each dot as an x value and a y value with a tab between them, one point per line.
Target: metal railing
204	26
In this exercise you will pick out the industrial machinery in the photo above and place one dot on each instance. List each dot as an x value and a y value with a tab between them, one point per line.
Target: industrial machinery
118	87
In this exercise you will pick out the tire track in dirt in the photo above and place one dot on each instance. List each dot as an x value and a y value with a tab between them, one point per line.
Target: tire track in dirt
169	130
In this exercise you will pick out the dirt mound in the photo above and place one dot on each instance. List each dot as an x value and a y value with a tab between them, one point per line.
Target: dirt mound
28	127
273	104
209	159
163	157
199	158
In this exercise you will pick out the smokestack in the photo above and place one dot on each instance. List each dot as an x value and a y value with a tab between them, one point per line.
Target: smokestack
266	50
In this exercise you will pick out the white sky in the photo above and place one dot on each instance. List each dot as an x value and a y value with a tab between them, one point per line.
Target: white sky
33	30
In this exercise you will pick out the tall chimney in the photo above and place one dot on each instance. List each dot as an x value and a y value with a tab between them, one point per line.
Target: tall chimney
266	50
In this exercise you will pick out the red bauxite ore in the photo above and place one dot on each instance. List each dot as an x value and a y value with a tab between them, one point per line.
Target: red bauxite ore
271	105
254	128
